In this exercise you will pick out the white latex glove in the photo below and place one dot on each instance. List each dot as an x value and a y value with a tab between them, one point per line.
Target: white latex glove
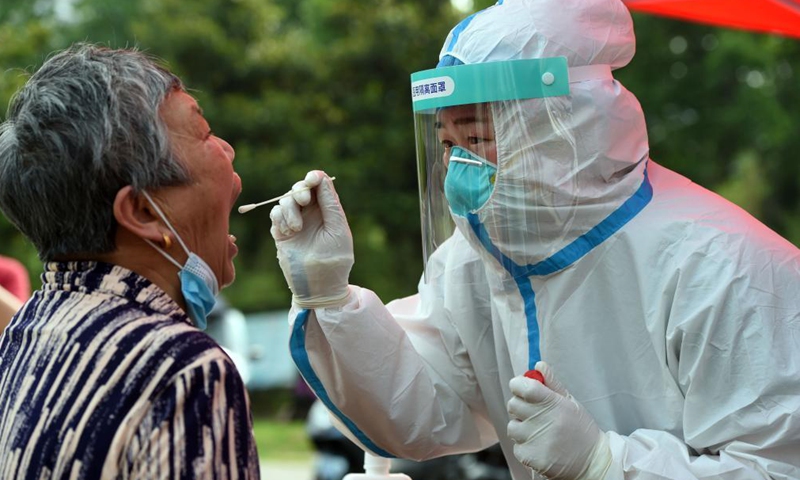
555	436
315	247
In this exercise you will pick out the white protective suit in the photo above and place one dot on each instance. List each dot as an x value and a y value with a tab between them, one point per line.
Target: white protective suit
671	315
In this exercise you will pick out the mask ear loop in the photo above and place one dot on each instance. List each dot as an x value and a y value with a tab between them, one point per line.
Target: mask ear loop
164	218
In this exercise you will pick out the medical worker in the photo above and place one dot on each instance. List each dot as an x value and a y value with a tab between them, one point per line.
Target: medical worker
665	320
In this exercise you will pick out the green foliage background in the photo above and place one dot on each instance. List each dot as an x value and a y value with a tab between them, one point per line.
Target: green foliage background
296	85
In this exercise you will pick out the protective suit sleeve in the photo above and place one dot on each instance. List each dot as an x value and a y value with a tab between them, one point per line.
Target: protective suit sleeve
732	346
398	380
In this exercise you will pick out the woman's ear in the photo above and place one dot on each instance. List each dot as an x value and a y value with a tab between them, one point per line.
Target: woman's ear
134	213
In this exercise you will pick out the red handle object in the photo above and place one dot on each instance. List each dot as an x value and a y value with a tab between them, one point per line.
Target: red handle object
536	375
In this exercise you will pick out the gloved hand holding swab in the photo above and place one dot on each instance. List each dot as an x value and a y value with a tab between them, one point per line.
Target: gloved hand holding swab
248	207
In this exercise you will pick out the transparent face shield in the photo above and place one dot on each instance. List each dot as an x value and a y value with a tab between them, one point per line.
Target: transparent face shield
456	121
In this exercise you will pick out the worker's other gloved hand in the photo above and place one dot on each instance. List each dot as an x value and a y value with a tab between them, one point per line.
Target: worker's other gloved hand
315	247
554	434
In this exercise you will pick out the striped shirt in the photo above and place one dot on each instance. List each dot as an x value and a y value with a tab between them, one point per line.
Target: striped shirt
103	376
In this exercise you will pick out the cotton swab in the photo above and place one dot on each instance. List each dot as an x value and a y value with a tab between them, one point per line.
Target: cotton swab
247	208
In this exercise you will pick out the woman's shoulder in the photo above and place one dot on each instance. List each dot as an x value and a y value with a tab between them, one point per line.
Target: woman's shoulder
174	337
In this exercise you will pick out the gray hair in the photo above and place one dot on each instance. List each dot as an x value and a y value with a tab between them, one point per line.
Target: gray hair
85	125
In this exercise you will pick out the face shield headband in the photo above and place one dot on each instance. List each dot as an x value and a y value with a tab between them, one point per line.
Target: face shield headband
437	90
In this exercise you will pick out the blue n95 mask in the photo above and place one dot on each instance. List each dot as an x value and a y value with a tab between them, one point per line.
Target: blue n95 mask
198	282
469	181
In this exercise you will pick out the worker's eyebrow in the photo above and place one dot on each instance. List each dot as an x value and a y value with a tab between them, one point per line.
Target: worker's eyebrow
461	121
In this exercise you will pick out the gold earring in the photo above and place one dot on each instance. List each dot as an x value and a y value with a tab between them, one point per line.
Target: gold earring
167	241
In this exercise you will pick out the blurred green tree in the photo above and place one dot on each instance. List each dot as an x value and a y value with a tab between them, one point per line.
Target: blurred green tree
27	35
721	109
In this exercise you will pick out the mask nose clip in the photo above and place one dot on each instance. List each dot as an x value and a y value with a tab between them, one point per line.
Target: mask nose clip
468	161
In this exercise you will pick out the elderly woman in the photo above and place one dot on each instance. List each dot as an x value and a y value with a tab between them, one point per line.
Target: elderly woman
109	168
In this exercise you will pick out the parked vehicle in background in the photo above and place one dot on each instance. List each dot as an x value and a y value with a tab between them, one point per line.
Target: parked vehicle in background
228	327
257	343
336	456
271	365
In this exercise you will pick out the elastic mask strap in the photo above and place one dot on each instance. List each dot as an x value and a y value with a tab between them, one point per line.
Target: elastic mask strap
169	225
165	254
588	73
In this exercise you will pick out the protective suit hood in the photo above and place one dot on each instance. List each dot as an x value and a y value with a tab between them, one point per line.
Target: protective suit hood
590	32
565	163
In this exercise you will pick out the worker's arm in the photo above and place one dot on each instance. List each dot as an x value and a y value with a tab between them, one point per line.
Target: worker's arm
732	347
399	376
393	387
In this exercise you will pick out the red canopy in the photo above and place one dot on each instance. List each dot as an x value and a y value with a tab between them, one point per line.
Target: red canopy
771	16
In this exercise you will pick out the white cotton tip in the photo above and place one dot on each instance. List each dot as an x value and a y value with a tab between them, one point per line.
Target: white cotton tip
247	208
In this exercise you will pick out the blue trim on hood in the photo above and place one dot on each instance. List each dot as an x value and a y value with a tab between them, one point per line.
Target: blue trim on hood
597	235
561	259
449	61
462	25
297	346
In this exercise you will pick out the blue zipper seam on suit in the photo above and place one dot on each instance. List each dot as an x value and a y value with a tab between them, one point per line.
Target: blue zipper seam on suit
561	259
